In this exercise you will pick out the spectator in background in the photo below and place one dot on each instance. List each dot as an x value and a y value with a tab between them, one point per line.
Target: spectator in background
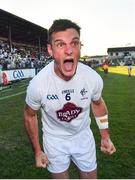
1	75
129	64
105	67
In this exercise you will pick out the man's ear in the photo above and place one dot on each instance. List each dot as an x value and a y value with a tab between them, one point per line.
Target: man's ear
49	48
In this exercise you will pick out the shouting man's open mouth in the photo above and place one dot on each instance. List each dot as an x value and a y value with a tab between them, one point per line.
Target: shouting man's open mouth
68	65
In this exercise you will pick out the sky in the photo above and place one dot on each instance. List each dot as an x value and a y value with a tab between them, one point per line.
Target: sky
104	23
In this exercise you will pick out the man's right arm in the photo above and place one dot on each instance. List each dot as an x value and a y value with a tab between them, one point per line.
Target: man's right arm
31	125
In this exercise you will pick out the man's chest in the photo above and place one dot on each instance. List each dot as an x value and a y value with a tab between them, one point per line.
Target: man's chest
55	96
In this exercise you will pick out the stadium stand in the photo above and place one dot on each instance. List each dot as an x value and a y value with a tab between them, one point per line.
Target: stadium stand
20	30
22	43
23	48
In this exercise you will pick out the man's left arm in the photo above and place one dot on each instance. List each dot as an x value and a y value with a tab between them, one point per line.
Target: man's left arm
100	112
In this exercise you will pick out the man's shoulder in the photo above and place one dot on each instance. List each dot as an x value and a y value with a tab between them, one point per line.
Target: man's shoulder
82	66
86	69
88	73
43	74
47	68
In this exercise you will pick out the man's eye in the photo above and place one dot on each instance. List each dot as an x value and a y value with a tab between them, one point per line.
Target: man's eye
75	43
60	45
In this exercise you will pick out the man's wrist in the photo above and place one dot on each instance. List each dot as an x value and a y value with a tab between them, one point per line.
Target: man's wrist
37	151
104	133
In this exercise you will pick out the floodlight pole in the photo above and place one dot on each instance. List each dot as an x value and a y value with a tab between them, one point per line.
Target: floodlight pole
39	46
9	37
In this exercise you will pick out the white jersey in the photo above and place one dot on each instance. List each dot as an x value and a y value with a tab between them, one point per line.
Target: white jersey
65	105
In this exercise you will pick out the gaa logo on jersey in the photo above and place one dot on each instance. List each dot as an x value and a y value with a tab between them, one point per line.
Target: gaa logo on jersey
69	112
52	97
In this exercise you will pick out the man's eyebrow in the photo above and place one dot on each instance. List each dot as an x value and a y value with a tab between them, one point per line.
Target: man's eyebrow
76	38
58	40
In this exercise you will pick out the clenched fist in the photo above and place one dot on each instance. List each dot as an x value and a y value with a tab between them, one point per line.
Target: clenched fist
107	146
41	160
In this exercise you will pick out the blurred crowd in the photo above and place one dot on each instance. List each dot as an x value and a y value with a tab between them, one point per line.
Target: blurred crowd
20	56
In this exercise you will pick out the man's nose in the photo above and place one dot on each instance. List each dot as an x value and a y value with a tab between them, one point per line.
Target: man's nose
68	49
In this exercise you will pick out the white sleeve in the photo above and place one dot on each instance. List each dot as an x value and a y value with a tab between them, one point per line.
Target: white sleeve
98	87
33	96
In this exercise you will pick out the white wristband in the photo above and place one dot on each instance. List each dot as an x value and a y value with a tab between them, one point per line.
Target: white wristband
102	122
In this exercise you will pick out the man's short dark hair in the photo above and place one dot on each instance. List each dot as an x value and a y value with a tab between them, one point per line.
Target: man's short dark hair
62	25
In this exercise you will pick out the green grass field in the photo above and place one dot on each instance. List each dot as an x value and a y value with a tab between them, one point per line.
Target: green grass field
17	158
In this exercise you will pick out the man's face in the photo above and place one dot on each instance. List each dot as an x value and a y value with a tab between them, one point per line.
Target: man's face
65	49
